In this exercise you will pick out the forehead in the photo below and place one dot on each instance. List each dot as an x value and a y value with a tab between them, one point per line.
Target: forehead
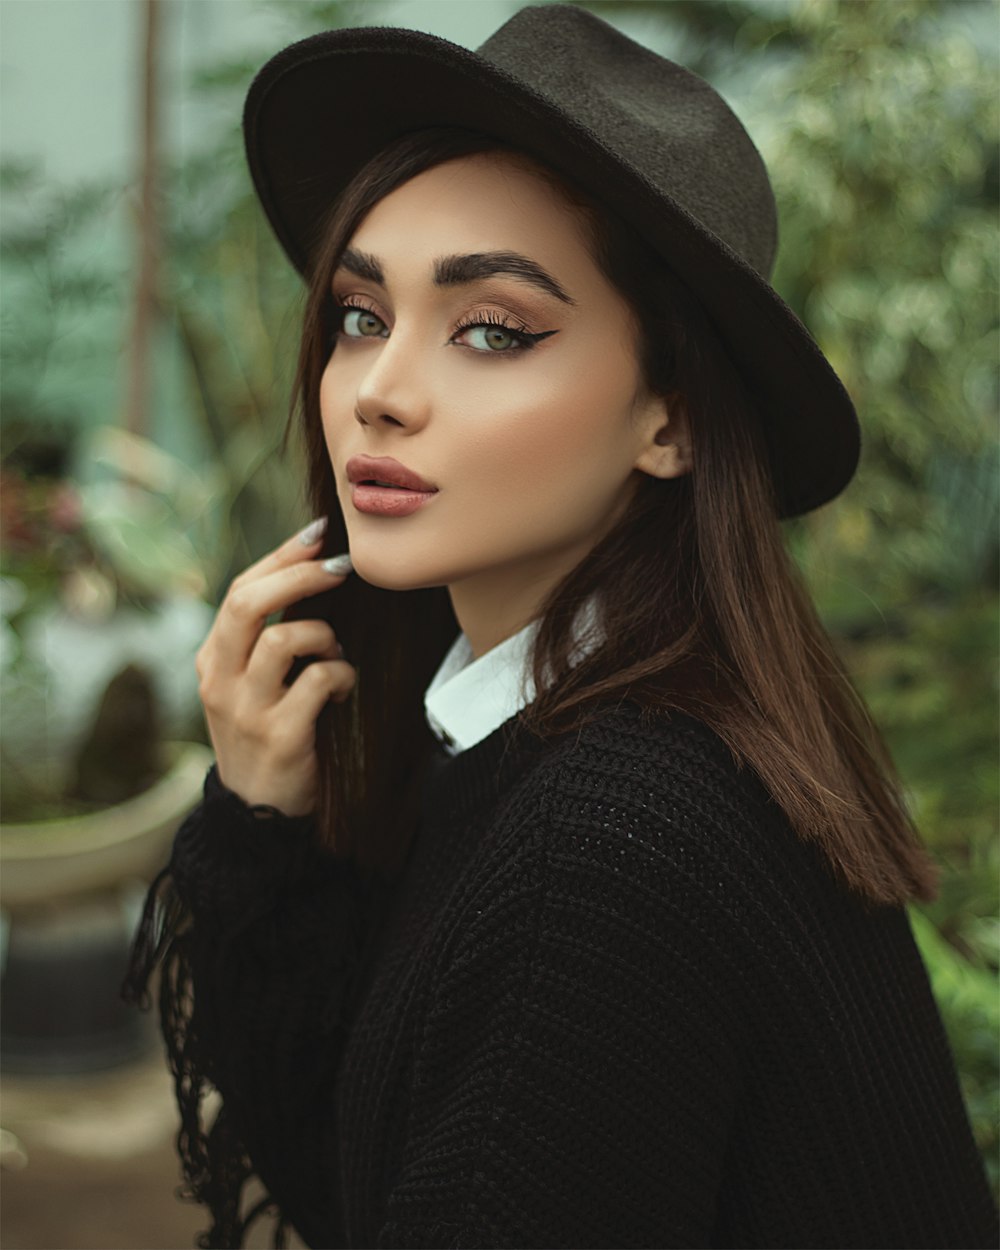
489	201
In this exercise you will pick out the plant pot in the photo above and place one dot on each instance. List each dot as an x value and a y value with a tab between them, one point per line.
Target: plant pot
71	891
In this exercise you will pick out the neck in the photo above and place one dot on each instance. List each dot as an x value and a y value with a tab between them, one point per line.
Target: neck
487	626
495	604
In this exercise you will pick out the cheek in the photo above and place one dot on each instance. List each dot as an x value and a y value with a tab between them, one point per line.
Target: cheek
334	409
562	425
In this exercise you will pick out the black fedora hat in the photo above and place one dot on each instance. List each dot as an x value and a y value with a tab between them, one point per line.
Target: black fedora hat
651	140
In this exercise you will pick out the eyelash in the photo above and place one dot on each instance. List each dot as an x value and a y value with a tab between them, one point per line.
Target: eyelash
526	340
487	318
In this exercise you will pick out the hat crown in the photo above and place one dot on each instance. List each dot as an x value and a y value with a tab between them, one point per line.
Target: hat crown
678	132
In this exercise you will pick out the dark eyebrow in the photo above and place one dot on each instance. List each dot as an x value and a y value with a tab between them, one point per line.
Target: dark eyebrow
460	269
362	265
474	266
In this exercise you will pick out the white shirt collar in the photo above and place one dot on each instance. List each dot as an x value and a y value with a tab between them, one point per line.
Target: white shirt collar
468	699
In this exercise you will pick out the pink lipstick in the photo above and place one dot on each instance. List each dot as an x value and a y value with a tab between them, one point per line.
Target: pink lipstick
383	486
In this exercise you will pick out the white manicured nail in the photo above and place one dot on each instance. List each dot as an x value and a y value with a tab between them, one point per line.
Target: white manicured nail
338	565
313	532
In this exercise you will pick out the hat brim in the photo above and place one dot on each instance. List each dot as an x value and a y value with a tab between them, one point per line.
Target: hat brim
321	108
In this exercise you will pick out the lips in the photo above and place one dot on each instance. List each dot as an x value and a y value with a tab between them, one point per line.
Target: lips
384	487
384	471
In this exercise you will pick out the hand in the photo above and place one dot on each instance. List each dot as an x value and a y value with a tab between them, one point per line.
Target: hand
264	731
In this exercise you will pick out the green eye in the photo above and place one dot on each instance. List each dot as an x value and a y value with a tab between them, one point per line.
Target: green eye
360	323
491	338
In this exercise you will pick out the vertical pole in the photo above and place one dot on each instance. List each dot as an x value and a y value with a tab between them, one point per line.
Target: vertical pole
147	234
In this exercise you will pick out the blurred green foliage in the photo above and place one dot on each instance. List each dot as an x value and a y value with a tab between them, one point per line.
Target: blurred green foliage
878	122
57	297
236	305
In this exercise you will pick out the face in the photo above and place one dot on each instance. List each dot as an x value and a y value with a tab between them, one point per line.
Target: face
482	348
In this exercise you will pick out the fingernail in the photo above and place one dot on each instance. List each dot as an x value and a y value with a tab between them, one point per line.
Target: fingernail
313	532
338	565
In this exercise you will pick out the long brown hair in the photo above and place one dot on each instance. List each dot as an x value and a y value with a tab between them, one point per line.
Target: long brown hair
701	608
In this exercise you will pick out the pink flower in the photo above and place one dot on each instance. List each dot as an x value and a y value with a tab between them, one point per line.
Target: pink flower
65	512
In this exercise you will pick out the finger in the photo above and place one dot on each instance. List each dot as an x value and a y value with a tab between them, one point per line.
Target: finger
276	648
326	679
246	607
301	546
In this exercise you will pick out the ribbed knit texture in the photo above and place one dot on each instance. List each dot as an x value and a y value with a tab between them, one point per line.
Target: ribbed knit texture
611	1001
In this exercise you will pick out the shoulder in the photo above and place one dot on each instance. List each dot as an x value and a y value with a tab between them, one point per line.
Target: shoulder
641	840
657	799
644	768
646	824
649	744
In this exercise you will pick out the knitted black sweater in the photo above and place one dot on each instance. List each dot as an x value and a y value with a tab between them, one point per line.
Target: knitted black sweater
610	1001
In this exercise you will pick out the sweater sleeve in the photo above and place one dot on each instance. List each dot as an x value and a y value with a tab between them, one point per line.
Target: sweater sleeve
579	1067
260	933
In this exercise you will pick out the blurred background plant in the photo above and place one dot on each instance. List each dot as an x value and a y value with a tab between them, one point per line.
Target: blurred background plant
102	600
878	121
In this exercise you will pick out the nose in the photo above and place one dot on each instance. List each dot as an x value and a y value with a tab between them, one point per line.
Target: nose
394	390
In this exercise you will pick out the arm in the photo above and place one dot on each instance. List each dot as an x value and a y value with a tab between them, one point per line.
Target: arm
579	1068
261	934
257	929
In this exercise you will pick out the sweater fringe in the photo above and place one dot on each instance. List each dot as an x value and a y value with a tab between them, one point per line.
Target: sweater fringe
214	1163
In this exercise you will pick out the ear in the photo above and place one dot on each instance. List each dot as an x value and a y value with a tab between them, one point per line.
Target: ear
667	449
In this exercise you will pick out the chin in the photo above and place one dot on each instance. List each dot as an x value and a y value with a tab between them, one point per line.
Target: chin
391	574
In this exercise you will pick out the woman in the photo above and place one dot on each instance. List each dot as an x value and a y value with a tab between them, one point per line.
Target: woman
584	927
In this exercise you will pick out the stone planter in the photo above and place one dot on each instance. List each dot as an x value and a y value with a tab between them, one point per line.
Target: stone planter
70	891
